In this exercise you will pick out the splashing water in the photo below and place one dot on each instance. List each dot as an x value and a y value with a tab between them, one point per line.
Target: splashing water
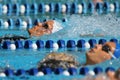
95	25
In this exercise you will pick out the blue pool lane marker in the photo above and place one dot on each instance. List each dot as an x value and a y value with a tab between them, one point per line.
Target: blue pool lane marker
40	44
34	9
91	8
106	7
52	8
81	43
58	71
84	71
72	71
16	9
1	24
6	45
19	44
92	42
18	23
58	7
20	72
99	8
33	71
49	44
9	12
27	8
9	72
84	6
61	43
116	4
41	8
102	41
74	8
67	7
98	70
10	22
28	44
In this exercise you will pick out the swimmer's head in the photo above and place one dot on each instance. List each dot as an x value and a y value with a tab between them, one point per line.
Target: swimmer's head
48	24
101	53
56	27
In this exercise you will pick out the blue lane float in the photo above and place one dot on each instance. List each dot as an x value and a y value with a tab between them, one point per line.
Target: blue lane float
52	8
81	43
46	70
98	70
58	7
109	69
28	44
18	23
16	9
102	41
84	71
49	44
106	7
41	8
36	21
74	8
99	8
9	72
9	6
20	72
1	24
40	44
72	71
34	8
114	40
19	44
116	4
58	71
91	7
11	24
71	44
33	71
6	45
92	42
29	23
27	9
84	7
67	7
61	43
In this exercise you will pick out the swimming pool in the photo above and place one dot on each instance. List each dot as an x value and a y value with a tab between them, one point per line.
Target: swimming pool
85	27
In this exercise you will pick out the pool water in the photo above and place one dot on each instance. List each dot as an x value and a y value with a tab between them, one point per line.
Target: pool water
29	58
76	27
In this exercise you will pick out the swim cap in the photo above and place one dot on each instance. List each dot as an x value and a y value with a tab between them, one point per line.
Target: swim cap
117	51
56	26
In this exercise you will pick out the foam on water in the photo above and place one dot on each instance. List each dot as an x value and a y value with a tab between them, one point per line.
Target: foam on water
94	25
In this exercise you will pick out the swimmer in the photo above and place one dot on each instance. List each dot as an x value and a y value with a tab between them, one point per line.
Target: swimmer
98	54
101	53
44	28
12	37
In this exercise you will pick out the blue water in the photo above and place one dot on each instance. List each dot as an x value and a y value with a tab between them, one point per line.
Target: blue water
77	27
